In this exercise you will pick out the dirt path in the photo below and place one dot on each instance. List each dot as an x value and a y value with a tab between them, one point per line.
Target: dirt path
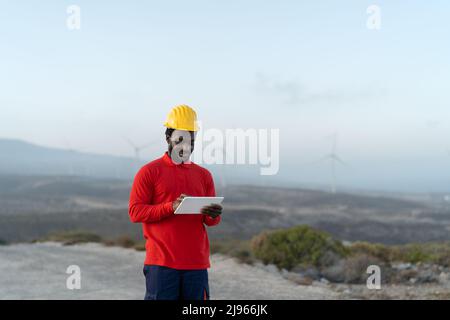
38	271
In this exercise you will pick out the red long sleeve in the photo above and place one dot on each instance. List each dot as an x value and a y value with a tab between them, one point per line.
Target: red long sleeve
140	207
177	241
210	192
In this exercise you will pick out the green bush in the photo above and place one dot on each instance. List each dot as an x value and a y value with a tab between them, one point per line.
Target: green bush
3	242
297	246
438	253
414	253
441	254
377	250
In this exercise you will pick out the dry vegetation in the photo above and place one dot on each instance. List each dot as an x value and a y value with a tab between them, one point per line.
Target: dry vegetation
311	253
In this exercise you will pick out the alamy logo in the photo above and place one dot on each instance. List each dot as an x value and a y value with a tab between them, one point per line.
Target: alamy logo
73	21
233	146
374	19
374	280
73	281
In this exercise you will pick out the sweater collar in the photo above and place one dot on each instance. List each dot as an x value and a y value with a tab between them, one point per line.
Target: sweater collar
167	160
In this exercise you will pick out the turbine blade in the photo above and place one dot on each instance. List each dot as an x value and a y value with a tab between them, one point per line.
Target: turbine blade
150	143
130	142
336	157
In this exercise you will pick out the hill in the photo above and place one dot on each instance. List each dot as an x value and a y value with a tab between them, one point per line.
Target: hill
23	158
34	206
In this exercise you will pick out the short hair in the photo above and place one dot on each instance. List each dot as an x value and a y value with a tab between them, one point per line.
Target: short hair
169	132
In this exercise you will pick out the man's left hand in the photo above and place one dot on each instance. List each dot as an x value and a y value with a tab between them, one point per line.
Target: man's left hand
213	210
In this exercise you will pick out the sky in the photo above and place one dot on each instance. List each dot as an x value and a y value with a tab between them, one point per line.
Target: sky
309	69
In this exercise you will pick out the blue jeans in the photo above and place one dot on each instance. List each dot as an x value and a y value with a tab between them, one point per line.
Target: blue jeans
163	283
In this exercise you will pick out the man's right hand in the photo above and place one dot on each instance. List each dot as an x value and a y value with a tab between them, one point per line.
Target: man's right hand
177	202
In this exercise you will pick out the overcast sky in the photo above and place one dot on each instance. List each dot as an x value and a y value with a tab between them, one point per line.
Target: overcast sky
308	68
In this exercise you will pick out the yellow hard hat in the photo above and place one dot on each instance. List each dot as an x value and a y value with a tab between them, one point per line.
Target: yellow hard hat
182	117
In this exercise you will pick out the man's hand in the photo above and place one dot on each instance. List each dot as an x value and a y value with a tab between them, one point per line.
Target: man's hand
213	210
177	202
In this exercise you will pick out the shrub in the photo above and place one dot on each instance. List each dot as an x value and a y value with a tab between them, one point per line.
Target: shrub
239	249
300	245
72	237
140	246
414	253
3	242
442	256
355	268
438	253
125	242
380	251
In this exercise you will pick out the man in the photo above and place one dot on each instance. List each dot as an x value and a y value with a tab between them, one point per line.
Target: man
177	246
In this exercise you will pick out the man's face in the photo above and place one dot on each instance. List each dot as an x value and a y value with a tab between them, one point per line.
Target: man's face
181	145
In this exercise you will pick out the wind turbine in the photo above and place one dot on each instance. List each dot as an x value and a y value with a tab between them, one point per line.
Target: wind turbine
71	150
137	149
334	159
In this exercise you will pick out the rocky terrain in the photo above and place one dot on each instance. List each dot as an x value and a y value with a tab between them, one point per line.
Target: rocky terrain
38	271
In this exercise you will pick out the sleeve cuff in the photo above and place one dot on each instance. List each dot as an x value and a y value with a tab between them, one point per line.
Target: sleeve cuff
168	209
211	221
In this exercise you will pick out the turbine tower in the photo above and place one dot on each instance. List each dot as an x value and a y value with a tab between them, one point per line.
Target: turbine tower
334	159
69	148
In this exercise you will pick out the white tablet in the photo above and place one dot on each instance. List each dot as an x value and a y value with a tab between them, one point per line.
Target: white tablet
193	205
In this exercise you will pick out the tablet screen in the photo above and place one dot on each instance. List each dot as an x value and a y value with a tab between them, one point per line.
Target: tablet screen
193	205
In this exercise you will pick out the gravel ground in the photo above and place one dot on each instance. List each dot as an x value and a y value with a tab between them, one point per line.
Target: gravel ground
38	271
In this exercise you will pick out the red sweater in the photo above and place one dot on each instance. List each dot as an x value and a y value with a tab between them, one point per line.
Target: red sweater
172	240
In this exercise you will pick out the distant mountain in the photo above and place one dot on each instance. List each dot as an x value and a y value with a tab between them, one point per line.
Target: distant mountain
19	157
23	158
